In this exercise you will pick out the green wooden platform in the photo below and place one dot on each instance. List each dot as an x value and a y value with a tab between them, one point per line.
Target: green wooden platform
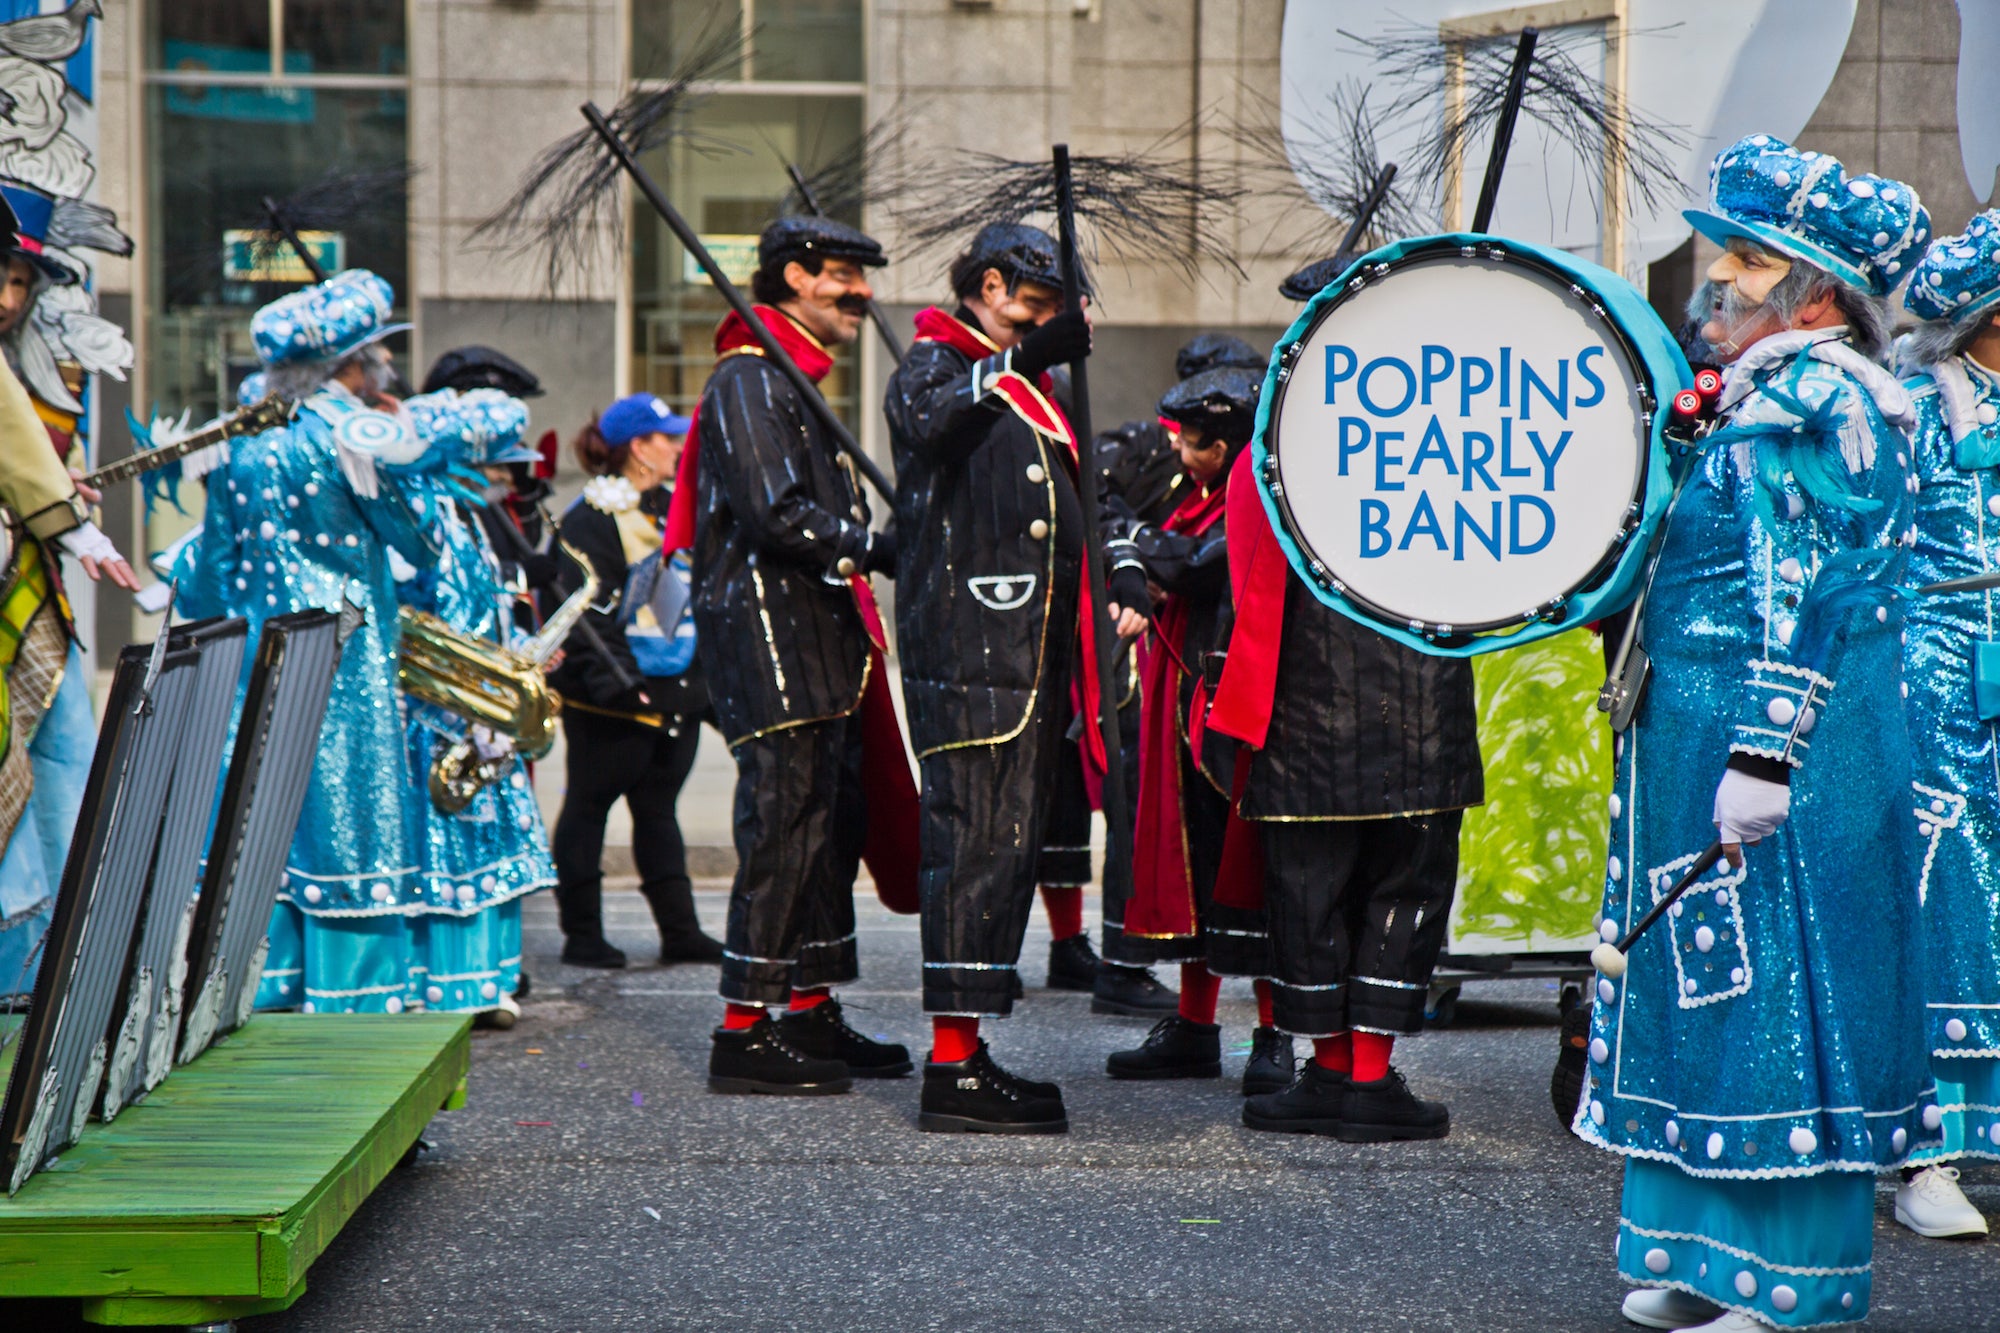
211	1198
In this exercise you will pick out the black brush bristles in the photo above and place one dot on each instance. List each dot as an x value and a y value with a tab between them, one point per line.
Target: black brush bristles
1330	155
1573	105
877	169
332	202
1143	204
568	200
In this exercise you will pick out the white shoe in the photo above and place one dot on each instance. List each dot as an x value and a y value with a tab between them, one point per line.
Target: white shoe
1933	1205
1733	1321
1665	1307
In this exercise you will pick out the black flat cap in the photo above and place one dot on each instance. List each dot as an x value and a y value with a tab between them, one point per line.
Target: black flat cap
1220	402
1307	282
1207	351
476	367
793	238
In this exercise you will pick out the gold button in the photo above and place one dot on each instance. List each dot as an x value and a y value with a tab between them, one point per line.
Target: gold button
1038	529
1035	473
845	567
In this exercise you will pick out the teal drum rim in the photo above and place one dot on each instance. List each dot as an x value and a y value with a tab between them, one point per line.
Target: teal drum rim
1628	322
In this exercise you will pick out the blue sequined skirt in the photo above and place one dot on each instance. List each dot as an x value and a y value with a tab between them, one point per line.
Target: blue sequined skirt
1795	1252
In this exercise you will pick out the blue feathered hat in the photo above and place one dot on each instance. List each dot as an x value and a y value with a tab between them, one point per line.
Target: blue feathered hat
1959	276
326	321
1867	231
477	427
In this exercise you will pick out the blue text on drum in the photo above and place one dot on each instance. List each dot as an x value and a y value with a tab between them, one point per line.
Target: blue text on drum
1495	391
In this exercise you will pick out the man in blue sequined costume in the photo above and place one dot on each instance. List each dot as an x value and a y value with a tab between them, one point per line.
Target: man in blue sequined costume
304	517
1759	1062
1952	664
475	864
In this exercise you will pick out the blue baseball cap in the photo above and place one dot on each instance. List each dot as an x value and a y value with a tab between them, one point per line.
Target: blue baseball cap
639	414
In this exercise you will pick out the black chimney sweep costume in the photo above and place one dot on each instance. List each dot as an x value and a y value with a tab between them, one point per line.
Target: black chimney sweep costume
989	586
1366	754
790	646
1186	773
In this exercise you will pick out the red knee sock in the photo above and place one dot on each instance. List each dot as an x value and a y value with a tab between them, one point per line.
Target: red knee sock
1335	1053
803	1000
953	1038
1064	904
737	1017
1199	987
1263	990
1371	1055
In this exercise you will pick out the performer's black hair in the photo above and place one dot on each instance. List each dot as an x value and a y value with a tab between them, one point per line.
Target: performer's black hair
768	285
597	455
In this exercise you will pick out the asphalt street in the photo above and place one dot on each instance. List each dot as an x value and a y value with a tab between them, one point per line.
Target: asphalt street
592	1183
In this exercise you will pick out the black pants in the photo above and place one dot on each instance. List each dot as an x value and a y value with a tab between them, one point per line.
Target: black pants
1358	910
610	759
1235	941
801	820
984	814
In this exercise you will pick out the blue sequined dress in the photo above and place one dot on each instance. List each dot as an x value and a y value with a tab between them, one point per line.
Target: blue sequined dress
298	518
1760	1060
1956	798
475	865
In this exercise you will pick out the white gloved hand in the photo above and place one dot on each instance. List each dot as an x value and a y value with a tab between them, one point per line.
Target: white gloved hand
1747	808
86	541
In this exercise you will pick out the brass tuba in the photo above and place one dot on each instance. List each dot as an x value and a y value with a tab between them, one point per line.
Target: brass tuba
503	689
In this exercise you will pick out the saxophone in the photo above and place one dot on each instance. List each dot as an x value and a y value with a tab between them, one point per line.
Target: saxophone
500	688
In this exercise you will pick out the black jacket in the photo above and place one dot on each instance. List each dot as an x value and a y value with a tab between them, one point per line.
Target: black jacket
975	584
780	518
1194	569
598	668
514	530
1361	726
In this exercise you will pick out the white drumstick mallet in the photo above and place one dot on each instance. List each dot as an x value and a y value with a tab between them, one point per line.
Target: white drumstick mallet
1611	959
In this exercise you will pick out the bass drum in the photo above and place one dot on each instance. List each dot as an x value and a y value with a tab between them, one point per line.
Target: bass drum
1461	441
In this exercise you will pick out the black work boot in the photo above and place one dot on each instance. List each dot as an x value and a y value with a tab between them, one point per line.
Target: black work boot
979	1097
1313	1104
759	1059
694	947
1270	1067
822	1033
1072	964
592	951
1175	1048
1386	1110
1133	992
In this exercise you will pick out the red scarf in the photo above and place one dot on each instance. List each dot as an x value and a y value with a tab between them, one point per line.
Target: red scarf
890	847
1031	403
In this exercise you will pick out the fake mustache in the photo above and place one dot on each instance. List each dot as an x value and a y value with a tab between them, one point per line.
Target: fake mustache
1723	302
851	304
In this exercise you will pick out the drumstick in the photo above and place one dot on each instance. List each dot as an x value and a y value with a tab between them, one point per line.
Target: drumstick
1611	959
1970	583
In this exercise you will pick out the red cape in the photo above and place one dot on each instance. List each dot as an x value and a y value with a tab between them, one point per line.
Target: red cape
890	847
1242	704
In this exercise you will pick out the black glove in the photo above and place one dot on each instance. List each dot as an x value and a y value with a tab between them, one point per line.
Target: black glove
1128	590
637	699
880	558
1057	342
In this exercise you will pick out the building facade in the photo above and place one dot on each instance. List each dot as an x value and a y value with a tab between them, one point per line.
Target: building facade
208	108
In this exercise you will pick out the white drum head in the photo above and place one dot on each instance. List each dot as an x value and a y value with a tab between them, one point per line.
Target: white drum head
1461	441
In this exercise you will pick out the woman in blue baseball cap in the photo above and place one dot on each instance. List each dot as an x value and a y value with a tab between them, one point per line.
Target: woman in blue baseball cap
633	697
